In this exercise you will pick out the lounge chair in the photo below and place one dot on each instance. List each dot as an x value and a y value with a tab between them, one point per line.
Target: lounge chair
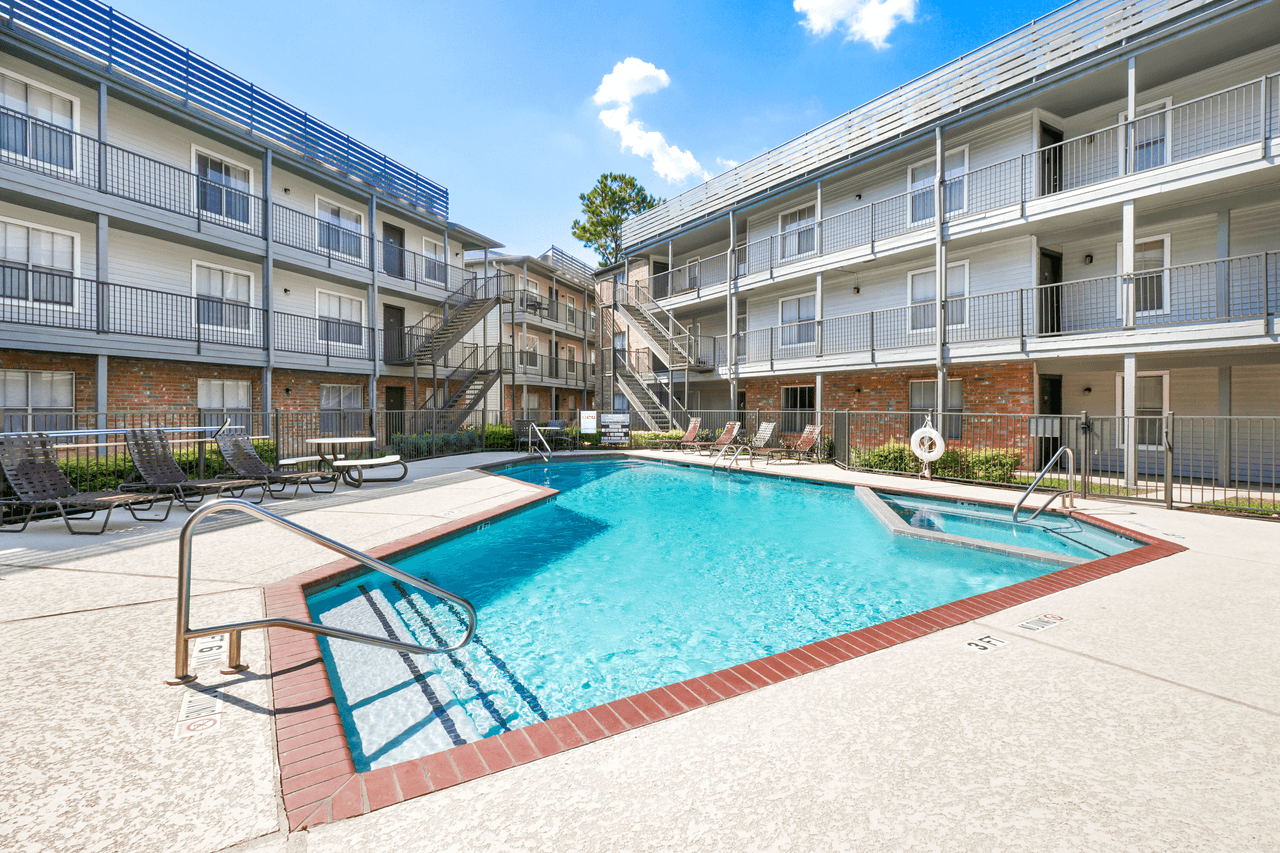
35	477
248	465
763	437
690	436
806	447
160	472
727	435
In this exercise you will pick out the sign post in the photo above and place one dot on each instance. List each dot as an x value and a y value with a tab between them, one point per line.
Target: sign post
588	422
615	428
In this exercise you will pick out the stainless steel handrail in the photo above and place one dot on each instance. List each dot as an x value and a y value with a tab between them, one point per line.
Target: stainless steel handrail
185	632
1070	490
533	429
737	451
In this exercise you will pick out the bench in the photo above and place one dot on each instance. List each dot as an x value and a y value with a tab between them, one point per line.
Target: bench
352	470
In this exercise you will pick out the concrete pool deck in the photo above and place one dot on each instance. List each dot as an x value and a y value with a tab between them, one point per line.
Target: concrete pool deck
1149	719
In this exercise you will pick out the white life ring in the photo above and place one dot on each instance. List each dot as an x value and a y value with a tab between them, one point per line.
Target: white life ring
935	448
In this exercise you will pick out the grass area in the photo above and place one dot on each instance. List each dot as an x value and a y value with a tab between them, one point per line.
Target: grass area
1055	483
1252	506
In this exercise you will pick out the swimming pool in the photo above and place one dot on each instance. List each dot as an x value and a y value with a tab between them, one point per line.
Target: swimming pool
636	575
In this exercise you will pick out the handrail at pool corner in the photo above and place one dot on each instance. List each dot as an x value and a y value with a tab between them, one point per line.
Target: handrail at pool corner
184	631
1070	490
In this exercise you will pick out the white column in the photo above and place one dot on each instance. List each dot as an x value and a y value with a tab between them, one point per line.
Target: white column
731	311
939	269
1130	393
1128	286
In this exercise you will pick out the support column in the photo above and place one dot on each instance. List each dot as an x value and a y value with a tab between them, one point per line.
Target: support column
102	137
1223	432
266	389
939	273
373	303
268	265
103	271
1130	394
731	314
100	391
1223	282
817	317
1128	284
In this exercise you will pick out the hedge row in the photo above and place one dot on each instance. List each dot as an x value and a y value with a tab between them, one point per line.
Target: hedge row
988	466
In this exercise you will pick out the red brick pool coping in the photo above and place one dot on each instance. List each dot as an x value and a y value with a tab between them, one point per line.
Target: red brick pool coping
319	781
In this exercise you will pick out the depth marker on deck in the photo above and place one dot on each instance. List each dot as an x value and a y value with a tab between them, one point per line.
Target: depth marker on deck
1044	620
201	712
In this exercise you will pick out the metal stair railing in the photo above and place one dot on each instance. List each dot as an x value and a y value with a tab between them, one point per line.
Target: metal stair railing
422	336
542	439
185	632
670	330
737	449
1070	490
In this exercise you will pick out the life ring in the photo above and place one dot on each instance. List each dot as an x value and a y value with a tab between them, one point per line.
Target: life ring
935	448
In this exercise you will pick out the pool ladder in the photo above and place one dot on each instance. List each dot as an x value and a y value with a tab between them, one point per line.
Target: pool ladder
542	439
738	450
185	632
1068	492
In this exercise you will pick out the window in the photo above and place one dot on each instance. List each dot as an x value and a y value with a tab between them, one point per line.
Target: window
797	320
37	264
341	318
223	297
37	400
341	409
36	123
740	329
571	360
222	186
223	399
434	260
921	291
528	350
570	310
1149	148
924	399
797	407
1152	401
920	177
691	273
340	229
1151	259
796	232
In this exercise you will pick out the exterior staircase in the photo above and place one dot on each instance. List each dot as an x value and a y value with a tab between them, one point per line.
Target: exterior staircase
651	400
475	372
652	326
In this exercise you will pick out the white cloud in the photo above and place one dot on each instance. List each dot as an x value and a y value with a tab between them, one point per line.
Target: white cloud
630	78
862	20
726	164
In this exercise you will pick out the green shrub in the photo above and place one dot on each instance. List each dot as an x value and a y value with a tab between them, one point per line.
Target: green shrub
641	439
499	437
439	444
988	466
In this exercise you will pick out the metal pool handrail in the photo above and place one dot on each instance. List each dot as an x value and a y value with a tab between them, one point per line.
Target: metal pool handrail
1071	484
185	632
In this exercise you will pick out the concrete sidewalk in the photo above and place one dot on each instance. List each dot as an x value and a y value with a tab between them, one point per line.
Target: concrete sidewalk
1148	720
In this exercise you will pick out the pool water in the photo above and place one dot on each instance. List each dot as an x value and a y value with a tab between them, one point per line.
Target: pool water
1059	534
636	576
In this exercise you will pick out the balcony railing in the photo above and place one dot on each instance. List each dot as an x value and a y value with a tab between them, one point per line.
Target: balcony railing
1230	289
319	336
1243	115
302	231
532	366
38	146
399	262
558	313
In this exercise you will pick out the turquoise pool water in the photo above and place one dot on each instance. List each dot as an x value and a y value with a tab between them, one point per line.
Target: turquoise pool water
637	575
1056	533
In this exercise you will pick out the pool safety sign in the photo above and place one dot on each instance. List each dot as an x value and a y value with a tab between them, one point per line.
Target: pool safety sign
588	422
615	428
201	712
1044	620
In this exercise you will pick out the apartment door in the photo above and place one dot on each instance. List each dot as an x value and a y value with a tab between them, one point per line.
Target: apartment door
393	343
660	280
392	250
1051	154
394	409
1049	422
1049	293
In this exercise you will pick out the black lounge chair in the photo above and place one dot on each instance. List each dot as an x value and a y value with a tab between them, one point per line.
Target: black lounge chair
33	473
160	472
248	465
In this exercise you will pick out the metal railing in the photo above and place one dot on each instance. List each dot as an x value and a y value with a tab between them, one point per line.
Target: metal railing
99	34
184	631
533	365
303	231
547	312
319	336
1063	493
1244	287
58	152
399	262
1235	117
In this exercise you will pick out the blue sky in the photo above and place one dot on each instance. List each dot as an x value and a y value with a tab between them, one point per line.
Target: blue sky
503	102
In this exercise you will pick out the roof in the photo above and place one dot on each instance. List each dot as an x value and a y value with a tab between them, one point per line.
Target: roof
1059	38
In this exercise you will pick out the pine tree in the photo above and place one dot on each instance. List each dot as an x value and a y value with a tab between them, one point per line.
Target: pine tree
611	201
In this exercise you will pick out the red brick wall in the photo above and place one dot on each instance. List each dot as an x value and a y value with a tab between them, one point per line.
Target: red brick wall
139	385
299	390
85	368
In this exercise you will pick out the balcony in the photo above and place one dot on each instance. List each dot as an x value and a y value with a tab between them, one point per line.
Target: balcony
56	152
531	307
537	369
53	300
1229	291
1038	183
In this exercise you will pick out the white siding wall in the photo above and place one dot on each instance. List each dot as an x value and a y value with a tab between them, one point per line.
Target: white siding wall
87	118
86	234
143	261
148	134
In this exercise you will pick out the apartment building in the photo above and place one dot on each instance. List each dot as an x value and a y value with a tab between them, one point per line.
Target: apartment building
550	324
1079	216
175	237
